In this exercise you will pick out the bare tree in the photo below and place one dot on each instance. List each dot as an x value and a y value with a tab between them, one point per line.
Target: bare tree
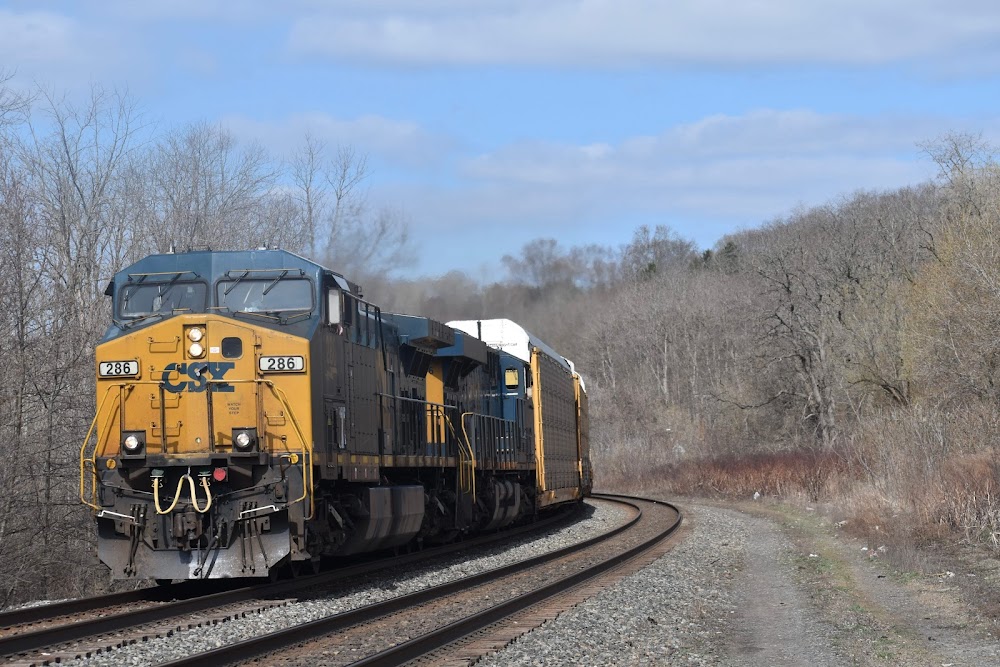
340	226
955	311
21	288
14	104
656	251
205	188
60	179
542	263
307	172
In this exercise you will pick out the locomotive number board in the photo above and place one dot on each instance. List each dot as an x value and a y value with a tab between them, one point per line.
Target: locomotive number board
289	364
108	369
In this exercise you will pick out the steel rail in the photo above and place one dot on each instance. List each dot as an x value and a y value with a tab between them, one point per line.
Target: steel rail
269	643
437	639
193	602
46	612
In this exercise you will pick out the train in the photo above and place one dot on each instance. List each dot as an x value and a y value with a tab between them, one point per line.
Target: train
255	415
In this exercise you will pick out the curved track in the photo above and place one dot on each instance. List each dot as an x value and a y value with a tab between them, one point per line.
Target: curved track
78	628
420	626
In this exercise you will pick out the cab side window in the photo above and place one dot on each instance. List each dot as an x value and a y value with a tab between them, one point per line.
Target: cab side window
511	379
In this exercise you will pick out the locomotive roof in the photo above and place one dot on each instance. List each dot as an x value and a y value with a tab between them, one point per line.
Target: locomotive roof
211	267
509	336
214	263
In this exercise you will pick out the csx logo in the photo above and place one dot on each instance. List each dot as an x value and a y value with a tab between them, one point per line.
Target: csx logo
197	372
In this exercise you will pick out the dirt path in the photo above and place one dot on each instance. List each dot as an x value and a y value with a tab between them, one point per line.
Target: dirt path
770	585
775	624
809	597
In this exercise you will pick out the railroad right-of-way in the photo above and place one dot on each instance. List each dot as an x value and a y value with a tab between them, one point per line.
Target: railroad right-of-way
165	633
435	624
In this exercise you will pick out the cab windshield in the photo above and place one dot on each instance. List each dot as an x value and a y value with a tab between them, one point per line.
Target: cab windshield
147	299
274	296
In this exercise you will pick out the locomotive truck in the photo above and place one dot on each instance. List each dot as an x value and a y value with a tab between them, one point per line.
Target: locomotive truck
254	414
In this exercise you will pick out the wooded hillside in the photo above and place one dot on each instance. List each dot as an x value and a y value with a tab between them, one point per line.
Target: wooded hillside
849	352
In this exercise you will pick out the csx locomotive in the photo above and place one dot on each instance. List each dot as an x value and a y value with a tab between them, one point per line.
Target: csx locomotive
256	414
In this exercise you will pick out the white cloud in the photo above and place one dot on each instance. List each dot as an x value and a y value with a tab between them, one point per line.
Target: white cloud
399	142
96	38
55	49
687	154
641	32
704	178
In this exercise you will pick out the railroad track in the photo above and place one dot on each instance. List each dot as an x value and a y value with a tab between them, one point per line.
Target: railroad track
456	622
62	631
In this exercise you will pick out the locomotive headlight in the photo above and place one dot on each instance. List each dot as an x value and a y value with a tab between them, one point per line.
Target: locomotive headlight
244	440
196	350
195	334
133	442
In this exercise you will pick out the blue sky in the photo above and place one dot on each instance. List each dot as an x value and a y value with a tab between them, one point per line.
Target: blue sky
494	122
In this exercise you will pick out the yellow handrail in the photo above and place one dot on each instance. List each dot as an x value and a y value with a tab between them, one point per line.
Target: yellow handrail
307	452
93	458
466	459
307	471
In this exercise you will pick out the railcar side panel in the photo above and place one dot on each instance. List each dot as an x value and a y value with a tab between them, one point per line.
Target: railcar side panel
583	435
555	430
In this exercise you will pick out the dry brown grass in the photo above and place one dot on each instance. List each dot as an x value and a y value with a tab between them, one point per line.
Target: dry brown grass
928	475
901	480
966	497
778	474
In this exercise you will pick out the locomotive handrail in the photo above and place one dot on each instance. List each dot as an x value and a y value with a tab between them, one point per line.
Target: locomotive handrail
93	458
497	428
307	472
307	452
417	400
129	384
434	413
466	461
469	463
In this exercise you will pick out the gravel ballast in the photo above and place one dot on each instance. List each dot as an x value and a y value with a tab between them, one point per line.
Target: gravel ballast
668	613
777	586
371	589
773	585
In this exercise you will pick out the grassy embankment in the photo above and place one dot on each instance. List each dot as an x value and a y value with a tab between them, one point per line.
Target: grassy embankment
902	482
